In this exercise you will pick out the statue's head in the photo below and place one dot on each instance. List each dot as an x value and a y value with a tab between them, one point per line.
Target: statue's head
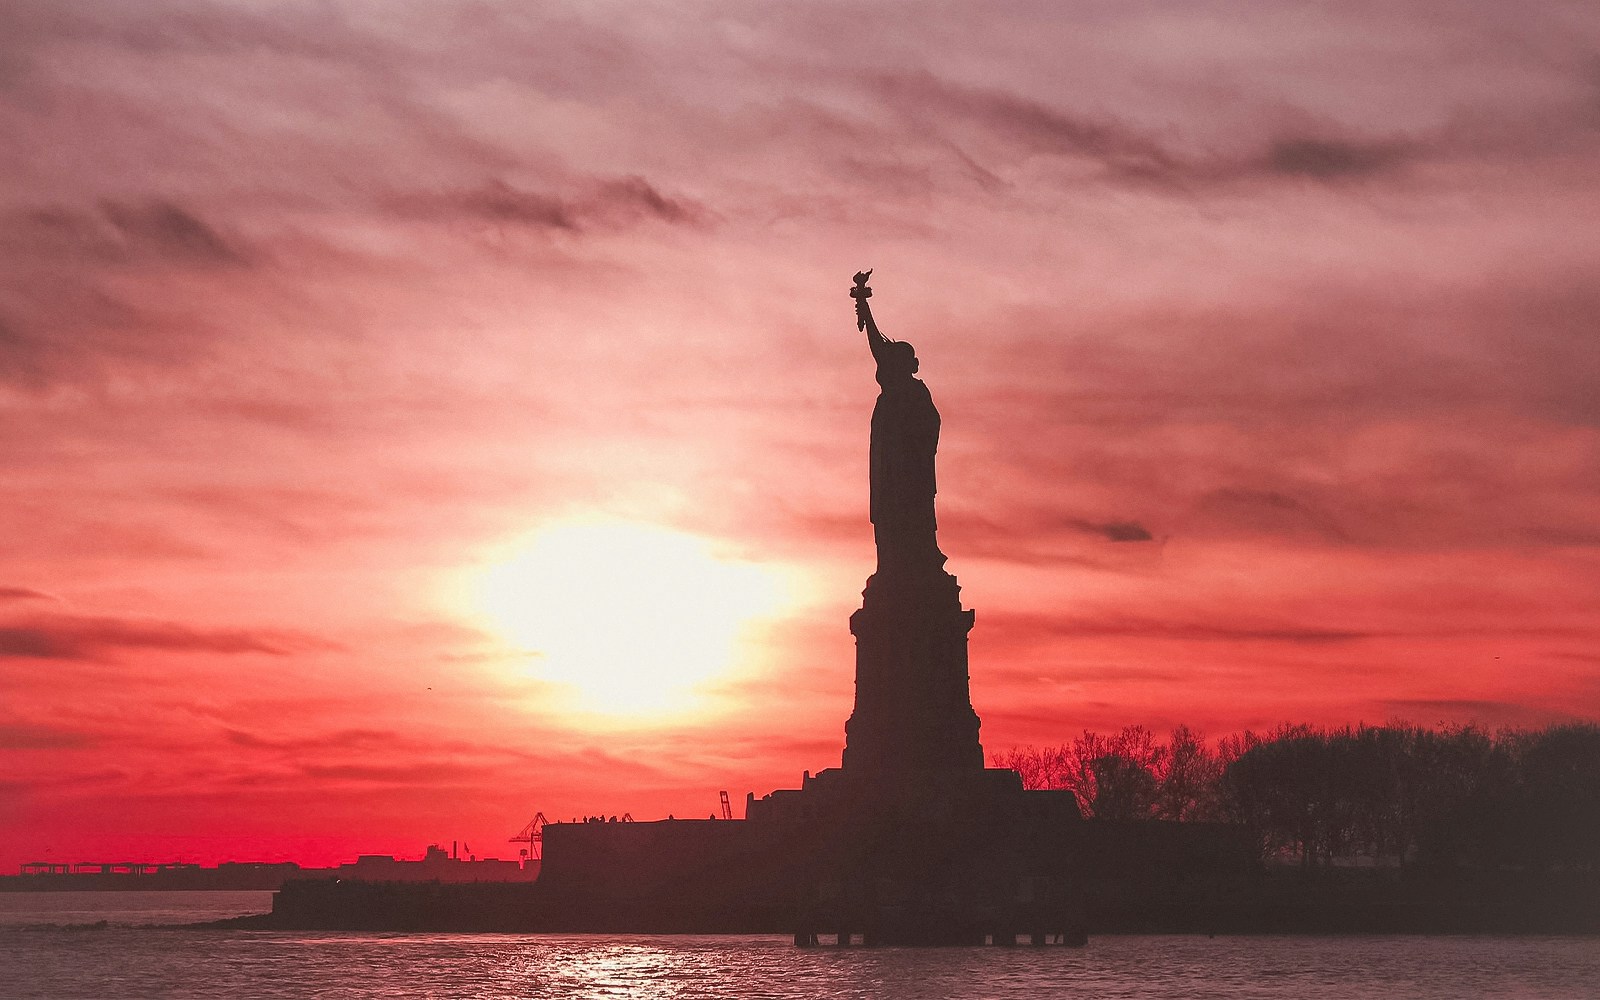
899	361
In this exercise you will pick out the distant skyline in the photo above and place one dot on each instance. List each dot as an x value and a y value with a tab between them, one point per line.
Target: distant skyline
352	354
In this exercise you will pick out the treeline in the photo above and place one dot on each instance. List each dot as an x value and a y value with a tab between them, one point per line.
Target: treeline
1397	794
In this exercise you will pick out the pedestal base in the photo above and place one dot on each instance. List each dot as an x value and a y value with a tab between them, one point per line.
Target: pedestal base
913	708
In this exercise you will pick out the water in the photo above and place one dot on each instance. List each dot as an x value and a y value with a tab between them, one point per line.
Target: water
45	959
125	909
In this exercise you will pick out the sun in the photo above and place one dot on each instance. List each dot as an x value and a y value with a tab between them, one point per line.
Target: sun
633	619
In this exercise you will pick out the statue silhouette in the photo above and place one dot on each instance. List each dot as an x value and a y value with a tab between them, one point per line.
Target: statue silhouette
905	436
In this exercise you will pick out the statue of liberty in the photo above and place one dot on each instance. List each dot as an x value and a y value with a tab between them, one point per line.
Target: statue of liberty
905	435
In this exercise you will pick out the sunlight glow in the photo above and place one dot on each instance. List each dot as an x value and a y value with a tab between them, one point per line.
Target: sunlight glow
634	618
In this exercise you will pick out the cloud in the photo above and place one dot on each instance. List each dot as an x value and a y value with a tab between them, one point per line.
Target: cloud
289	511
24	594
1032	534
187	29
1129	155
636	196
930	101
61	326
1021	628
90	289
420	773
1112	531
122	232
1349	416
340	740
23	736
605	204
169	232
497	201
1430	711
1265	512
97	638
1333	159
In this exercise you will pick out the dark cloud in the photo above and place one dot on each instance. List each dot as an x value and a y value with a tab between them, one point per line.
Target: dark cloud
1037	536
95	638
497	201
1330	159
36	643
930	101
155	230
62	326
1353	417
350	747
1113	531
635	195
24	594
1022	628
342	740
604	204
67	310
172	232
412	774
1127	154
22	359
1265	512
1088	673
174	29
1025	629
1563	537
22	736
100	778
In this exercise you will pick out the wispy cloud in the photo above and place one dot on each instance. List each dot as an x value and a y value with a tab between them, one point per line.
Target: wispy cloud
1123	153
153	231
1041	628
604	204
24	594
88	638
26	736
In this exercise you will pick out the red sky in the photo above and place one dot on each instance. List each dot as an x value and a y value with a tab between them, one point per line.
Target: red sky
1265	340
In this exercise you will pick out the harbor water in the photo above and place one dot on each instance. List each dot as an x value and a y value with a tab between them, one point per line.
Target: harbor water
107	946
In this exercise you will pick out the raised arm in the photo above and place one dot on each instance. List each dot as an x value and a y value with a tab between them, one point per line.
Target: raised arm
876	341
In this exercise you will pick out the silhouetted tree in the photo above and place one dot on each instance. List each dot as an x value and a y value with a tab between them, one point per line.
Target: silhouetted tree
1123	789
1111	776
1039	768
1397	794
1450	771
1187	779
1557	797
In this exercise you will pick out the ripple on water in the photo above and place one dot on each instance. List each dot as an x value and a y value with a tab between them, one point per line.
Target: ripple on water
183	964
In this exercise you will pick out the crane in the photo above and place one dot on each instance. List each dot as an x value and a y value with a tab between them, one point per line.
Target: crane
727	808
533	836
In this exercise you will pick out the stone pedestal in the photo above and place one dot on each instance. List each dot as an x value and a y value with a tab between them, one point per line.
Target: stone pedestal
912	840
913	710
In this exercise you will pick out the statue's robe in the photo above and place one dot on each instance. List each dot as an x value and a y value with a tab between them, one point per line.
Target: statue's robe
905	436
